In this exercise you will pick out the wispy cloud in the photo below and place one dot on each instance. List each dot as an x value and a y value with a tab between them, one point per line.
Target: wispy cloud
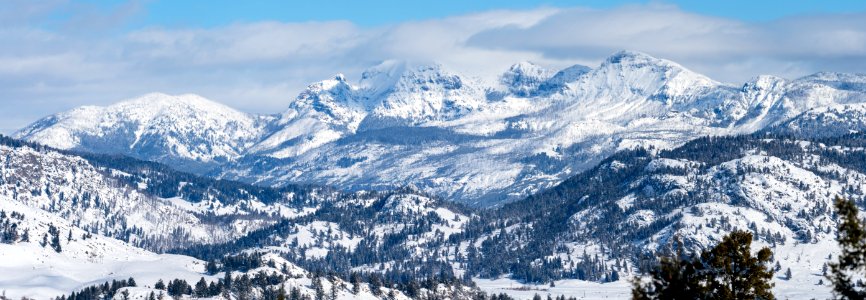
728	50
260	67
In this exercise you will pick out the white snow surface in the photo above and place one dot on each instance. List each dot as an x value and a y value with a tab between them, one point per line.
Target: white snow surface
97	201
183	126
29	269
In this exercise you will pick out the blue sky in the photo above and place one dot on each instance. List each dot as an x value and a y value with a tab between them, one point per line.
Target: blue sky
372	13
256	57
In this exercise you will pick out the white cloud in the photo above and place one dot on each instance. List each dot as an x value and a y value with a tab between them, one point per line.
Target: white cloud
728	50
260	67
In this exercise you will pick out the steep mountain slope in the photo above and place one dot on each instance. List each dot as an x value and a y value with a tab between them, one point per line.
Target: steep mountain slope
828	121
325	112
394	93
601	225
142	203
400	234
185	129
119	197
73	259
456	138
547	128
60	214
524	78
559	80
636	204
421	94
605	224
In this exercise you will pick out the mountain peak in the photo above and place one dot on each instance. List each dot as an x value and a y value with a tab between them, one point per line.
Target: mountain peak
764	82
523	78
336	82
325	96
153	125
628	56
154	105
836	76
167	99
642	65
415	93
855	82
631	60
558	81
634	77
526	67
382	77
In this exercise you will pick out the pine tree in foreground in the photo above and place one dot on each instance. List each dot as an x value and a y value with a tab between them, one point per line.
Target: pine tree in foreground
727	271
673	278
852	259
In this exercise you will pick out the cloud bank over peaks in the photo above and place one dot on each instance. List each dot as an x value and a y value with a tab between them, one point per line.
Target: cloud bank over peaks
262	66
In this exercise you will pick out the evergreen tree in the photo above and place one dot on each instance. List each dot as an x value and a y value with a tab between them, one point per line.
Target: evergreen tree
852	260
334	291
355	280
211	267
160	285
55	238
673	278
178	287
413	290
375	284
214	289
726	271
318	288
226	294
201	289
243	287
281	293
295	294
736	273
227	280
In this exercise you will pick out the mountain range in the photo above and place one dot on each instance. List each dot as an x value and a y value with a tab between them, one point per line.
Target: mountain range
451	135
105	217
417	182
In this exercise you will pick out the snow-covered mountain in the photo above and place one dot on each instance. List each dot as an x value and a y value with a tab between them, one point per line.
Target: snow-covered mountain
68	222
186	129
640	203
326	111
594	227
419	95
524	78
596	172
148	208
827	121
49	256
452	135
